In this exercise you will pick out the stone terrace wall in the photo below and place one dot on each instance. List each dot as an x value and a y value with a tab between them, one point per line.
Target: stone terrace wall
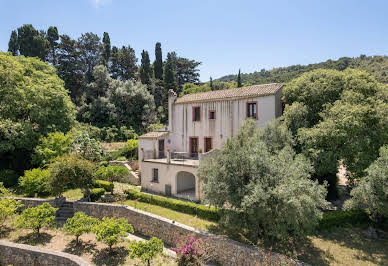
19	254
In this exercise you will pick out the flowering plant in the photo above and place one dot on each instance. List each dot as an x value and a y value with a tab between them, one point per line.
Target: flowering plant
191	251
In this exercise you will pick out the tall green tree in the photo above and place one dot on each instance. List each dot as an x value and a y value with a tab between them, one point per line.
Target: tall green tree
211	83
123	63
186	71
32	42
158	63
13	44
239	84
169	77
145	68
106	48
90	53
52	37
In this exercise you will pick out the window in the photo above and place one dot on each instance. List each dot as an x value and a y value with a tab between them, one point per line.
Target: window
212	115
252	110
155	175
208	144
196	113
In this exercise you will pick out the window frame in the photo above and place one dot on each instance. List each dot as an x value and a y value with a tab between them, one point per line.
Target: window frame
212	111
193	113
190	144
155	178
247	110
204	144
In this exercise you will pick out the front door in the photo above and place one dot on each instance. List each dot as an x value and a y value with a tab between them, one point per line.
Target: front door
161	148
194	146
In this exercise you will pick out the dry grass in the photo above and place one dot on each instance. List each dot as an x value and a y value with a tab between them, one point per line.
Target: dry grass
112	146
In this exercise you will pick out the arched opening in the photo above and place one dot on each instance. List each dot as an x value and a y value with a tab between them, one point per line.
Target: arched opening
185	185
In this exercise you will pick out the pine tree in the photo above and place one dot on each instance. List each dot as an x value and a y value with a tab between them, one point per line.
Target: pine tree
52	37
106	48
211	83
158	63
145	68
13	45
239	85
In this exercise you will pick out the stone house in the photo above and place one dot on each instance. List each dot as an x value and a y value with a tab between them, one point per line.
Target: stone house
198	125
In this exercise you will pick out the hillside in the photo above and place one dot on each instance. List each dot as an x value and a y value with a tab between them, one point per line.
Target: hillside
376	65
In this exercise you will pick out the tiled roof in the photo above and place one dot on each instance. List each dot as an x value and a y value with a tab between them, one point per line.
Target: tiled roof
244	92
153	134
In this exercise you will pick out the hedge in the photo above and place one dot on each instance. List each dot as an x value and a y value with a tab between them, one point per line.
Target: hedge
96	193
203	211
343	219
104	184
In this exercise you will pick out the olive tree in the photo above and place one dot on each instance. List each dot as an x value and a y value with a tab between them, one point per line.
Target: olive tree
262	187
36	218
8	205
146	251
80	224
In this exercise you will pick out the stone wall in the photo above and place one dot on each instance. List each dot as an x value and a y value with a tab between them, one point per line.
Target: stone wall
19	254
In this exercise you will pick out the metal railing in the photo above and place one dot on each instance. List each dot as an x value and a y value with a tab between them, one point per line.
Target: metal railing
184	156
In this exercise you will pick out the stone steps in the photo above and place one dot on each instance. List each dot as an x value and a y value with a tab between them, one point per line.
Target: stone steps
64	212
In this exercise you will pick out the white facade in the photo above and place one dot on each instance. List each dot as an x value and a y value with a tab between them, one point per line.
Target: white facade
229	113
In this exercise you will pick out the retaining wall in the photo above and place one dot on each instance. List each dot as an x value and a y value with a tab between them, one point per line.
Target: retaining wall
20	255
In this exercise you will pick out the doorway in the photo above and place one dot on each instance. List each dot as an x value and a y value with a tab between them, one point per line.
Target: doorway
161	148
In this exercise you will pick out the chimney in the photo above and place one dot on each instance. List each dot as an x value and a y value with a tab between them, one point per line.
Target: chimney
171	100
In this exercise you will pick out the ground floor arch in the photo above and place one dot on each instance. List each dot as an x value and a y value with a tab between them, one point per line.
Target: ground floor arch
186	184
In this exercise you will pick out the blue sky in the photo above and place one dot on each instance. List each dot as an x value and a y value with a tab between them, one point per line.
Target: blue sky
223	35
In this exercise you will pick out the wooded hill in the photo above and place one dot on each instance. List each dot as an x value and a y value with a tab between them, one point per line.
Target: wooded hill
376	65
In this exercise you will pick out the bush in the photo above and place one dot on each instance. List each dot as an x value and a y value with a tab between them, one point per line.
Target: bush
35	181
111	173
146	250
106	185
130	149
87	147
8	206
111	230
96	193
206	212
192	251
343	219
121	158
80	224
8	177
37	217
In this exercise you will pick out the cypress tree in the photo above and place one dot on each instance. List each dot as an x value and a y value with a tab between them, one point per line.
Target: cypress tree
158	64
106	48
169	76
211	83
52	37
239	85
13	45
145	68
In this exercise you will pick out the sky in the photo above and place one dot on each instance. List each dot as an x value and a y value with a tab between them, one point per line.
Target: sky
224	35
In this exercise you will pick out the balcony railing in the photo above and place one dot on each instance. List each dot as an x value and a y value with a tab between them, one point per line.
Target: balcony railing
184	156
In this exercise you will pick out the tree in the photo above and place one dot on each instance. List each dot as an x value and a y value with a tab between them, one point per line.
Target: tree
90	53
147	250
186	71
267	189
211	83
36	218
145	69
372	191
32	43
106	48
87	147
80	224
71	170
50	147
158	63
111	173
111	230
8	205
239	84
169	78
123	63
52	37
13	44
33	102
35	181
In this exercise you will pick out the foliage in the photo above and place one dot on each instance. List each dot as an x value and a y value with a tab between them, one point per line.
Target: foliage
145	70
191	251
71	170
346	218
36	218
111	230
371	193
208	86
203	211
111	173
158	63
50	147
146	250
96	193
8	177
35	181
268	190
123	63
106	185
87	147
80	224
155	127
32	42
130	150
8	205
239	84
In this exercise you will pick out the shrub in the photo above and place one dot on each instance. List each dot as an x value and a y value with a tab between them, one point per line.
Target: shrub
37	218
121	158
203	211
8	177
96	193
111	173
343	219
87	147
146	250
192	251
8	205
71	169
106	185
80	224
111	230
35	181
130	149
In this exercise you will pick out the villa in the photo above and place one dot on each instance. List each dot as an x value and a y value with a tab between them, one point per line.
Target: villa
198	125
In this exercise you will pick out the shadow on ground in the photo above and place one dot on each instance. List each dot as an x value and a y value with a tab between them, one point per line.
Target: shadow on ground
5	231
34	239
80	248
116	256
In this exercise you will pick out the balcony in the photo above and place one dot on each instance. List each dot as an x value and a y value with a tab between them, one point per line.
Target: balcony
175	158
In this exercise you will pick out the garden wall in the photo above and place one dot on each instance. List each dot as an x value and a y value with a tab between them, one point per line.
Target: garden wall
19	254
